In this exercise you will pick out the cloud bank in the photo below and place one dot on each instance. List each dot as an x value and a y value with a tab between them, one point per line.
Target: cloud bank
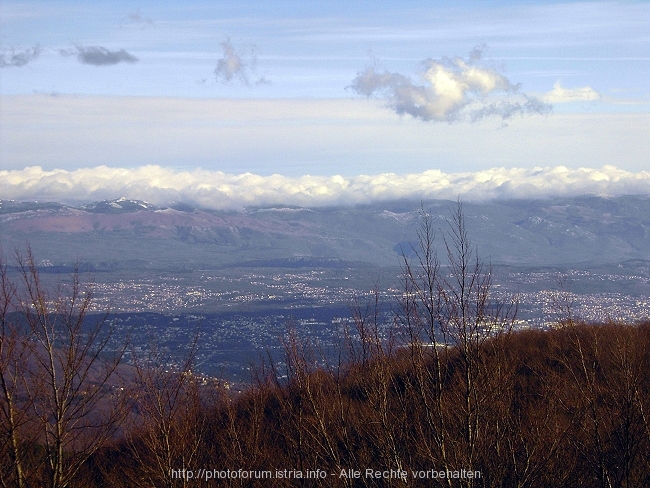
218	190
452	90
99	56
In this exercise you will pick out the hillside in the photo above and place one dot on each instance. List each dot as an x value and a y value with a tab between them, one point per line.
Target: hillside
559	408
127	234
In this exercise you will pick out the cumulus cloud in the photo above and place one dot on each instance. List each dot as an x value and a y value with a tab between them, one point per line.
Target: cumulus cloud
559	94
218	190
450	90
11	57
99	56
232	66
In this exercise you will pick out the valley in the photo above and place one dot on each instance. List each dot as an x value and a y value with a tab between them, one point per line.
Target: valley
236	282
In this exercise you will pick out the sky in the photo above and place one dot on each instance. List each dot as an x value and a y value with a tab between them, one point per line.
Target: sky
230	104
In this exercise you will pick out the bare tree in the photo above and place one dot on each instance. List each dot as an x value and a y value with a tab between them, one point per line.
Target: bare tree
69	396
419	320
448	313
379	383
15	404
167	419
471	315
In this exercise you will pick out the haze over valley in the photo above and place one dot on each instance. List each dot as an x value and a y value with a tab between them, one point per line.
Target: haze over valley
240	278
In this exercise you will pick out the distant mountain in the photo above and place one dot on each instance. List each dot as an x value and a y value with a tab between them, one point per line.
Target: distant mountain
121	234
12	206
121	205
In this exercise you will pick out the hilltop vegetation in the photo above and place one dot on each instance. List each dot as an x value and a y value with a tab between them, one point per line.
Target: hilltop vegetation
451	396
559	408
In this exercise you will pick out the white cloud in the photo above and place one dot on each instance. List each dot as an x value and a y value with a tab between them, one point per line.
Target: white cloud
453	89
559	94
215	189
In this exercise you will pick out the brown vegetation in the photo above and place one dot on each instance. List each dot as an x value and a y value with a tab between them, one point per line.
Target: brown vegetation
566	407
452	388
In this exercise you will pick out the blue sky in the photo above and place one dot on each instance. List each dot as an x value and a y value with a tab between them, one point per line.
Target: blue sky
208	92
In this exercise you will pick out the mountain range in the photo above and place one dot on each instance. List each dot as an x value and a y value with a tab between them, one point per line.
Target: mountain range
130	234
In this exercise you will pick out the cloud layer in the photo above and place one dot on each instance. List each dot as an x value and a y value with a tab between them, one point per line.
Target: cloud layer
452	90
218	190
301	136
